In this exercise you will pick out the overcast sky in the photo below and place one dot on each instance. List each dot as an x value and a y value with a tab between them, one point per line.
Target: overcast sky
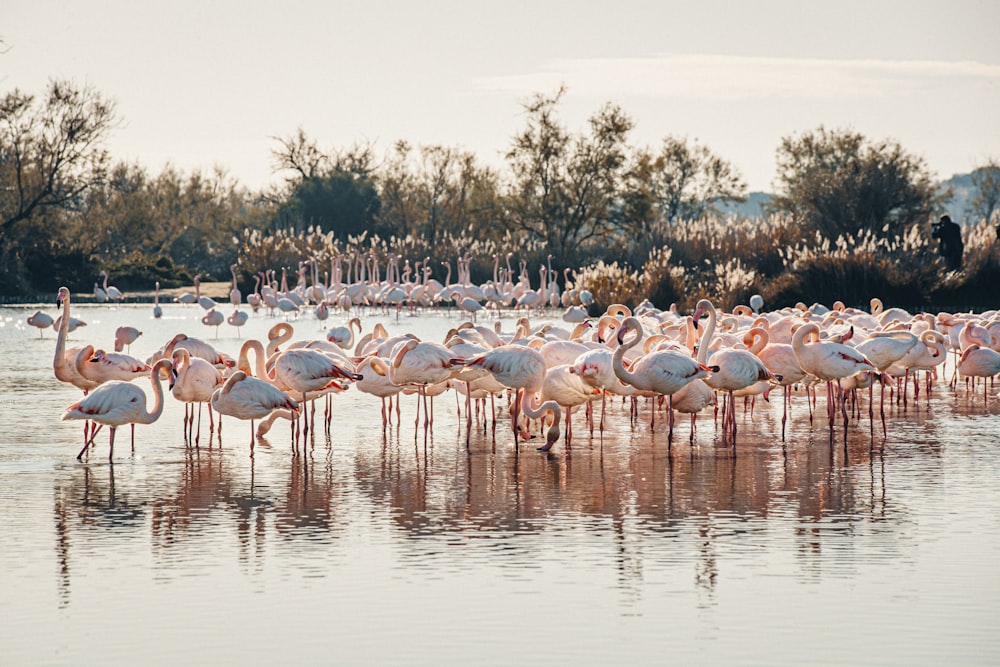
207	83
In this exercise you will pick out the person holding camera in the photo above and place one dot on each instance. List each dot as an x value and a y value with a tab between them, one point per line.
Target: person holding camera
949	236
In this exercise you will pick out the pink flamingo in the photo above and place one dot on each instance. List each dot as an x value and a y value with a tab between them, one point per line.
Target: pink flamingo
100	366
663	372
522	369
828	361
125	336
305	371
115	403
248	398
569	391
194	381
732	369
420	363
64	361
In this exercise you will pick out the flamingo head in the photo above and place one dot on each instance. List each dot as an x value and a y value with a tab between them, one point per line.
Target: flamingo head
551	436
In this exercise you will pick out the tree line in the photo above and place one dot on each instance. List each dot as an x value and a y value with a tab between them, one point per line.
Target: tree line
576	197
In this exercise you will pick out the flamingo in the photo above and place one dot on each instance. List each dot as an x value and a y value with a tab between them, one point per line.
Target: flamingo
41	321
187	297
569	391
343	336
883	349
420	363
197	348
780	359
235	296
99	294
828	361
125	336
928	353
193	381
248	398
732	370
213	318
574	314
254	297
74	324
662	372
157	310
516	367
979	361
64	361
112	292
466	304
238	319
375	380
305	371
115	403
595	368
322	311
100	366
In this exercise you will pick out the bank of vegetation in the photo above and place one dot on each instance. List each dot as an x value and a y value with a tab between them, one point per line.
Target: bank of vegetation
850	219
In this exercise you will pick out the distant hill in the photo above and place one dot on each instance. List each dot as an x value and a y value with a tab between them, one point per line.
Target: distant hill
963	192
753	207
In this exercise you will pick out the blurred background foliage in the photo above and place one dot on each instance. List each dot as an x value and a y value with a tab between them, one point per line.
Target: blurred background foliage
850	218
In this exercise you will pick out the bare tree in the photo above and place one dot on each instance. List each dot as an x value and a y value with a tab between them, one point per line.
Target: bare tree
51	149
300	154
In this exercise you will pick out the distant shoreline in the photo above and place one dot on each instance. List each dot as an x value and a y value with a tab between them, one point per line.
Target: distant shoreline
218	291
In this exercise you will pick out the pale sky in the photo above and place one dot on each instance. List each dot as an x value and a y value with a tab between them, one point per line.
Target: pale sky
210	83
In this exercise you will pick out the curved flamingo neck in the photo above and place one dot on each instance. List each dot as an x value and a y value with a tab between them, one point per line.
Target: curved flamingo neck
706	336
799	337
279	334
618	358
756	340
259	360
154	376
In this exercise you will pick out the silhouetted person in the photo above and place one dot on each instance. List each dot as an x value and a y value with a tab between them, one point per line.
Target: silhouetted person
949	236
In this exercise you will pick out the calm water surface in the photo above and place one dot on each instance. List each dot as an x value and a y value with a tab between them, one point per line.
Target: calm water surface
395	548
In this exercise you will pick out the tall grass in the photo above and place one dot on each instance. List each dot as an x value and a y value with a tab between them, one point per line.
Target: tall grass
725	260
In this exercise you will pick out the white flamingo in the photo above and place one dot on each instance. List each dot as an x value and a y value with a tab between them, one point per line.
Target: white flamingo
213	318
41	321
112	292
157	310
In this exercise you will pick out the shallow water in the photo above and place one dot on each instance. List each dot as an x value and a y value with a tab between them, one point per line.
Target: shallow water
395	548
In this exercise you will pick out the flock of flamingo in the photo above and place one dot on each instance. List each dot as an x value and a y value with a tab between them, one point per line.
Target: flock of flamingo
675	363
